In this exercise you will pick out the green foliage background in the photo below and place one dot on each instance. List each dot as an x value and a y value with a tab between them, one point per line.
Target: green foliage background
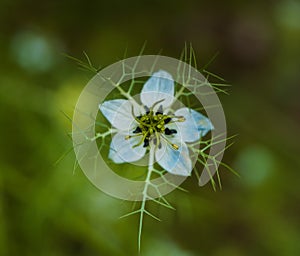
48	209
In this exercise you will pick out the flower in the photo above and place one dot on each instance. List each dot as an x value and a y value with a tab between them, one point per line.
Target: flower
153	126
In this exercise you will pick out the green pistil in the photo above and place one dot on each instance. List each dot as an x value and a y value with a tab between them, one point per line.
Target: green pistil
152	124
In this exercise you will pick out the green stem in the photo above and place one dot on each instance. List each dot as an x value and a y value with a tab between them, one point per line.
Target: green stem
145	196
103	135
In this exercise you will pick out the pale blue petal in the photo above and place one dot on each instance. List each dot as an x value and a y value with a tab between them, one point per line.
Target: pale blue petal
204	125
177	162
158	87
122	150
195	125
119	113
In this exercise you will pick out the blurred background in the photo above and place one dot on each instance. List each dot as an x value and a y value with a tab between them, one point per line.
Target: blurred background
48	209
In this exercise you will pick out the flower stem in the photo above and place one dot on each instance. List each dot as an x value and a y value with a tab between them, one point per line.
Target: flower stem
145	195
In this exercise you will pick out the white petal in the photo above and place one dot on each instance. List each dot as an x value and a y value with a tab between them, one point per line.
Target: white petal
195	125
118	113
122	150
158	87
177	162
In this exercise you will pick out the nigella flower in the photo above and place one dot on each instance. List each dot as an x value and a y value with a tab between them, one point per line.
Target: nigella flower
153	127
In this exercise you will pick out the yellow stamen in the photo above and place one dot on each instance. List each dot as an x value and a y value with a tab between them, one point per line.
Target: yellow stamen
176	147
142	140
181	119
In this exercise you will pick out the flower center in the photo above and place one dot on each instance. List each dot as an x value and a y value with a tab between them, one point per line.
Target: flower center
152	127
